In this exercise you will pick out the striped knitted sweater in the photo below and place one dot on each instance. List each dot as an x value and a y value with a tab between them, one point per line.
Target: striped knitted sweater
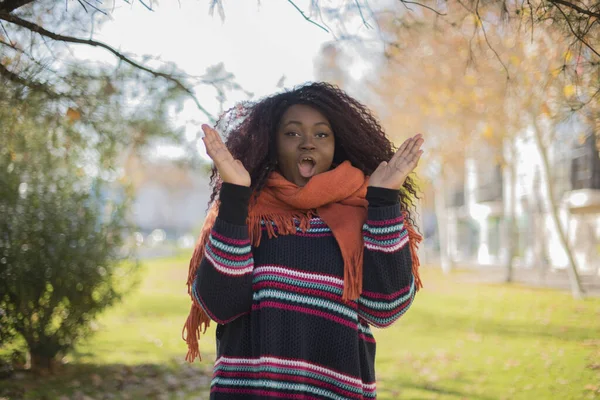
283	330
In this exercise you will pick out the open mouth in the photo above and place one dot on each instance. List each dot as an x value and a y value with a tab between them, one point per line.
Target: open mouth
307	167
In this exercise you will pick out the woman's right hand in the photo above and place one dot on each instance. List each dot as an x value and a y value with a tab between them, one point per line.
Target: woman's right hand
230	169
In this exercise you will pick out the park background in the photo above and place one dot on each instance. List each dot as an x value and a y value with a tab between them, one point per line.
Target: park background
105	182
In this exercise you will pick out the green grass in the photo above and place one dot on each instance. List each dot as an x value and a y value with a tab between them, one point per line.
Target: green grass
459	341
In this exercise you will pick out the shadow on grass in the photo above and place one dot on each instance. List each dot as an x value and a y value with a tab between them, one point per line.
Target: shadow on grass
111	381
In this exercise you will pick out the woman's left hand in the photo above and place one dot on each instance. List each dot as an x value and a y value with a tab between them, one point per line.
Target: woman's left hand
392	174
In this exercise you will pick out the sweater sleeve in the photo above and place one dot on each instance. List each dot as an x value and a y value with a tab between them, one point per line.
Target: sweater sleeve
223	284
388	282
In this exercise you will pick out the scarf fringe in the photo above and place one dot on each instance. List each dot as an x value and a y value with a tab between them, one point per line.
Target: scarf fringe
414	238
353	278
196	321
283	222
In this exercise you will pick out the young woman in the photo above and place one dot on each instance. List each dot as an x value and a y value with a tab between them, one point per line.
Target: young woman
308	242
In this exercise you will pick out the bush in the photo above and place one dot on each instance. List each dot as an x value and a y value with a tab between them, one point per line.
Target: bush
63	226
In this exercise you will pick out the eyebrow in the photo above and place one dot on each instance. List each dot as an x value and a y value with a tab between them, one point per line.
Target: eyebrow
300	123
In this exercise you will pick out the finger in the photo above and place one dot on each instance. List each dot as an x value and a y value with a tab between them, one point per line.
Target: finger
416	144
418	157
415	160
215	147
212	136
401	150
407	147
381	165
412	150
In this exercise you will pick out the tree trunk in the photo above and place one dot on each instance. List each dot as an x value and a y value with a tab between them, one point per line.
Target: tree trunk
576	287
441	212
511	231
42	364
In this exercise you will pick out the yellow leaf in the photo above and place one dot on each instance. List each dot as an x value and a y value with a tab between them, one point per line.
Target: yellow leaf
545	109
514	60
73	115
569	90
568	56
488	132
470	79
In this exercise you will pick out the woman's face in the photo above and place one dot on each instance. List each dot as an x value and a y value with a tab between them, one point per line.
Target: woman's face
305	144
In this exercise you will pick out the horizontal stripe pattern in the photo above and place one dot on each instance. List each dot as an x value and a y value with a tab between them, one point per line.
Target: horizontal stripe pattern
364	333
381	311
299	283
318	228
231	257
286	376
387	236
300	291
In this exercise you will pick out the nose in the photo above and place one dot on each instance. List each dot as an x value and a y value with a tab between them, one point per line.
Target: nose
307	143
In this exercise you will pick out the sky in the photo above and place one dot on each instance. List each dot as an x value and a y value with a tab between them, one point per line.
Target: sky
258	43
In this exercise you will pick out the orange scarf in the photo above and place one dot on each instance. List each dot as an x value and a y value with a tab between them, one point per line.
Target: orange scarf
336	196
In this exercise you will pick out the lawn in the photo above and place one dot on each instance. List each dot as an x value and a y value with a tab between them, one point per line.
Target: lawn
460	340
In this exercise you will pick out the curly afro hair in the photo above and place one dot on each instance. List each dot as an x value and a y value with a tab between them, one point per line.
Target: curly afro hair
251	127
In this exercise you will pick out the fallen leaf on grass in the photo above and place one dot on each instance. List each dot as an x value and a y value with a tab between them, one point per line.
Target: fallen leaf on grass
511	364
593	388
96	380
591	342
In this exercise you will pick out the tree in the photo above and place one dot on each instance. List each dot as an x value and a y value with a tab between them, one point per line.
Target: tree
35	35
63	224
575	23
488	111
451	86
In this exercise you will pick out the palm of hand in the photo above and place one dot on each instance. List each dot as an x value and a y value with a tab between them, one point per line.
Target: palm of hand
230	170
392	174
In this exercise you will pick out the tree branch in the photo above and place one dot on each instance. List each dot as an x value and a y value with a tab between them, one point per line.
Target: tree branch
37	86
7	6
487	41
307	17
581	39
69	39
422	5
575	7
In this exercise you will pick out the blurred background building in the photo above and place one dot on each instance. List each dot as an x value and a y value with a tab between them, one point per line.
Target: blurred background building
477	200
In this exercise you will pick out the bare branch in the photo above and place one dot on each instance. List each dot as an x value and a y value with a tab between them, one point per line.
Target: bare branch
307	17
149	7
531	16
581	39
5	32
575	7
69	39
361	14
487	41
422	5
91	5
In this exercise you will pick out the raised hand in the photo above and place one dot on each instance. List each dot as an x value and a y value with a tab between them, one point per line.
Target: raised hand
230	169
392	174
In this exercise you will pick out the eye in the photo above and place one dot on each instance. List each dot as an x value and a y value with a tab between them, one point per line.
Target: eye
292	134
322	135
